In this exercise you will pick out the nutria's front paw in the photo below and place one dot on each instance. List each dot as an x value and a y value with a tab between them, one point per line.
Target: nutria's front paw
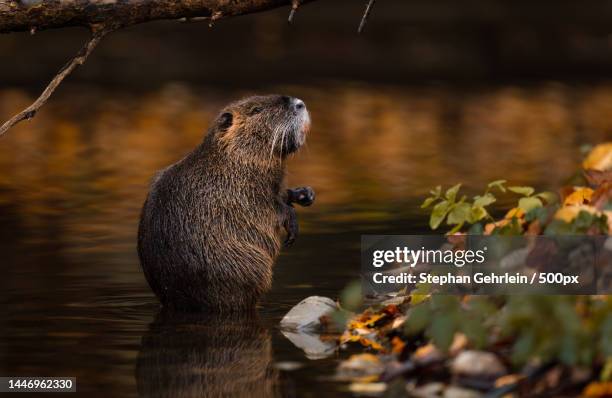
303	196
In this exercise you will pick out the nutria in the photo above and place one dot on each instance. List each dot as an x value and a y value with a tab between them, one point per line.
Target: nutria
211	226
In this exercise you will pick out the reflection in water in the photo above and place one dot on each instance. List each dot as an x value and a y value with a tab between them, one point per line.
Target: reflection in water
191	355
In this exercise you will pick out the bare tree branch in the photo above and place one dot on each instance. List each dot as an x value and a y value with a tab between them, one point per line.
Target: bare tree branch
295	4
24	15
366	14
96	35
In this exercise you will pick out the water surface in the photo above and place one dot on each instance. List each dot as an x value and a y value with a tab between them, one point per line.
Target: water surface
72	182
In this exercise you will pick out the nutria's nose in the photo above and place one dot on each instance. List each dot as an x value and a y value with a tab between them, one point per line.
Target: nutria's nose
298	104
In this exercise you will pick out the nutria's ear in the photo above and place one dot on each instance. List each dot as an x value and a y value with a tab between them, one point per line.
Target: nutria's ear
225	121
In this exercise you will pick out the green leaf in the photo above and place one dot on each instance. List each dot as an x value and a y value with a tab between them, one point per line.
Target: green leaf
477	214
557	227
528	204
569	350
525	191
485	200
351	297
523	347
436	192
418	319
606	372
510	229
459	214
539	213
455	229
583	220
428	202
445	302
451	193
442	330
475	331
499	184
438	213
548	197
606	332
420	293
476	229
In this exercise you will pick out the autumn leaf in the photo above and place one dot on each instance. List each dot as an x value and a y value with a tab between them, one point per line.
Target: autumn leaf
364	341
580	196
600	158
397	345
598	390
515	212
568	213
391	310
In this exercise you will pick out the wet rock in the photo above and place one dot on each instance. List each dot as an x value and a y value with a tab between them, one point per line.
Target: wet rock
311	344
307	314
430	390
368	389
478	364
427	354
459	392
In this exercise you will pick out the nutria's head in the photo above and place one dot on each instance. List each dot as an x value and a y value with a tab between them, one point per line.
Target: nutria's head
263	126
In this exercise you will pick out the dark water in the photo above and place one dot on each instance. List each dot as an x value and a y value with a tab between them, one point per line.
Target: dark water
74	302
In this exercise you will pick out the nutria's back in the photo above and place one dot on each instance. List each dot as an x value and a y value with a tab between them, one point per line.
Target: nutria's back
211	226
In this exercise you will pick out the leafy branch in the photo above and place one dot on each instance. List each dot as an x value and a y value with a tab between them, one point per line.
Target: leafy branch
463	211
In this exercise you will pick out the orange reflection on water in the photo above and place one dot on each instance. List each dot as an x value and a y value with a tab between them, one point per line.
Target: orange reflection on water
87	158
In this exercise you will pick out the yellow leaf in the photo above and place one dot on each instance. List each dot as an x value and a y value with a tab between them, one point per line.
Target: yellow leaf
425	351
598	390
568	213
367	319
515	212
580	196
397	345
508	379
600	158
418	298
371	343
348	338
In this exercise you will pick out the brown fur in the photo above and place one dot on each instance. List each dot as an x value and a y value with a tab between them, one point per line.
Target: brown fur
210	228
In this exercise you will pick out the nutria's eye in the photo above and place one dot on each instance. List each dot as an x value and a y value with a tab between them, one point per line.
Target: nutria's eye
226	120
255	111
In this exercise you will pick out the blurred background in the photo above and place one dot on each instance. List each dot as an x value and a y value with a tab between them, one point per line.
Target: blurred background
433	92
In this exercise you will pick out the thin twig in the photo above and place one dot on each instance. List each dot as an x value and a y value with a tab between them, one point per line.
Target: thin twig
295	4
214	18
96	35
366	14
